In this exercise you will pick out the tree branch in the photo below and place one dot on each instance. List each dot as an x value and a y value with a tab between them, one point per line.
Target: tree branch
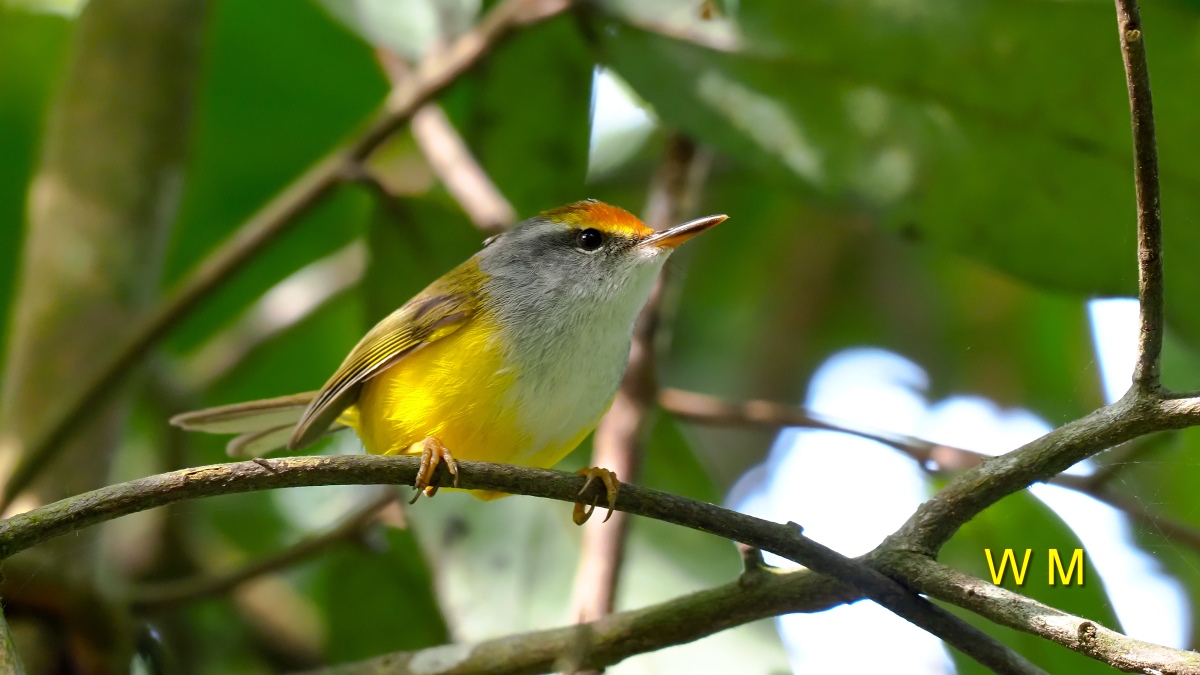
432	76
615	637
27	529
1030	616
709	410
1149	213
977	488
451	159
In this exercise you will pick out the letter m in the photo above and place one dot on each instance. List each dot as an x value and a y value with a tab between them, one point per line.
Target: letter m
1065	577
1007	558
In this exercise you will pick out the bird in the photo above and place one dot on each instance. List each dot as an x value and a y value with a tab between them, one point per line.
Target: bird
513	356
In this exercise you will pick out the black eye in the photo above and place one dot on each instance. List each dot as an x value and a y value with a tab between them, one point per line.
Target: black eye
589	239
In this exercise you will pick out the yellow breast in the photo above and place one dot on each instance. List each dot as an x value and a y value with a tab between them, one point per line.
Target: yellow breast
449	390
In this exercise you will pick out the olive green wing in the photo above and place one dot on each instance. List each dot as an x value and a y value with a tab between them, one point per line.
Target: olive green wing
437	312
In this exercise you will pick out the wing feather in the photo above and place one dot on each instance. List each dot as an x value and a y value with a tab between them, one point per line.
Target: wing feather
437	312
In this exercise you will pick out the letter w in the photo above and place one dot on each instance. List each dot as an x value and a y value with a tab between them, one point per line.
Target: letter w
1005	560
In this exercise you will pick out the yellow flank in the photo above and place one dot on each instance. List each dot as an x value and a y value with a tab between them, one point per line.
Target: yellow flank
449	390
452	390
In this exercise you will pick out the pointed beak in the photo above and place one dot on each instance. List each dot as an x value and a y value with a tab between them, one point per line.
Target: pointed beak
669	239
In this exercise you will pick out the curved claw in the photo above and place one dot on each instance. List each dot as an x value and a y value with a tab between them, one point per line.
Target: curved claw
432	453
611	485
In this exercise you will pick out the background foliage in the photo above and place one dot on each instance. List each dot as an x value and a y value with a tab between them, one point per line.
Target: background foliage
951	181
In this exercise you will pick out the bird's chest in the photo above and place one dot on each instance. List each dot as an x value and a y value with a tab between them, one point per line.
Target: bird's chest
568	368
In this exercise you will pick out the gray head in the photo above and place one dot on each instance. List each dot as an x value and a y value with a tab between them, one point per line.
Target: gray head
587	254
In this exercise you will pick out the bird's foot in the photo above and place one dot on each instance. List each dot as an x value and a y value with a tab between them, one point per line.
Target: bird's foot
432	453
611	485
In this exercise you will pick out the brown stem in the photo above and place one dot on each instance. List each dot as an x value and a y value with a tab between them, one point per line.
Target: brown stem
451	159
1149	212
1030	616
708	410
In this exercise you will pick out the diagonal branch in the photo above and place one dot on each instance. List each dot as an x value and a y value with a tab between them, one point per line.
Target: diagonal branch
1016	611
451	159
1149	213
933	457
27	529
761	594
430	78
613	638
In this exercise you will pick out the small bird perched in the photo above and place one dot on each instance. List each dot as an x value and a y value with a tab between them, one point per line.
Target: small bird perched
513	356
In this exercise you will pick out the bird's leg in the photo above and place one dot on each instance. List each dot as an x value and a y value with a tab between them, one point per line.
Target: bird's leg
432	453
611	485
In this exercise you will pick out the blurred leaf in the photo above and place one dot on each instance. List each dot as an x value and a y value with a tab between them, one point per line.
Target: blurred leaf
525	112
767	297
959	125
379	602
273	102
413	241
500	567
1020	522
407	28
31	48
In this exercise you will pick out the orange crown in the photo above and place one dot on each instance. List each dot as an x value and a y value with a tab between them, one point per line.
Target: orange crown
601	216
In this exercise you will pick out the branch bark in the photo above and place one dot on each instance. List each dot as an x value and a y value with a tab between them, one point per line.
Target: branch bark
430	78
615	637
26	529
709	410
1145	180
1030	616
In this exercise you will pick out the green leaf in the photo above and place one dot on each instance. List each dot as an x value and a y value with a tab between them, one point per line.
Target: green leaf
525	112
976	128
31	48
283	86
378	601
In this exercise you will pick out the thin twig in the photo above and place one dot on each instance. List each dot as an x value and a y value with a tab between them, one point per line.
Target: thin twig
168	594
712	411
451	159
432	76
618	439
615	637
1149	213
933	457
27	529
763	594
285	305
